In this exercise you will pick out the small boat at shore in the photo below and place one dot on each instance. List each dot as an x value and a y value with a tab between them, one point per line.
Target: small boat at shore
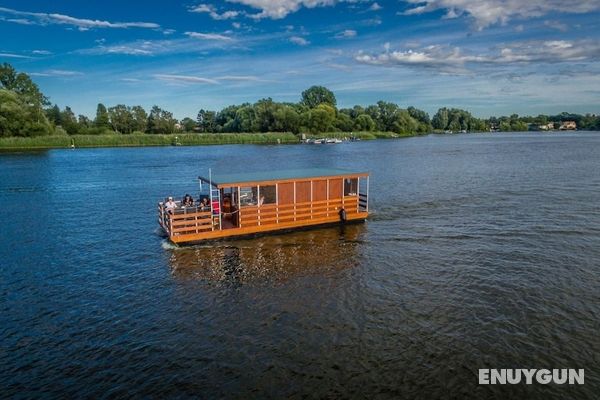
260	202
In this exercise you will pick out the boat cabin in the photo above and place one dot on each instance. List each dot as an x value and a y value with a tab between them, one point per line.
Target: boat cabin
248	203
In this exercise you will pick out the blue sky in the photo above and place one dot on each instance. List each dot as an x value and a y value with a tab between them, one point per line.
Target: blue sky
492	57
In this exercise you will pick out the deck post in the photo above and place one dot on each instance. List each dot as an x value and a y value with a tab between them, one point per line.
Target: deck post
311	199
294	200
368	193
258	204
328	197
239	200
357	194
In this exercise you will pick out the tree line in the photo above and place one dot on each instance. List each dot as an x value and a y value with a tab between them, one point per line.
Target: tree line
25	111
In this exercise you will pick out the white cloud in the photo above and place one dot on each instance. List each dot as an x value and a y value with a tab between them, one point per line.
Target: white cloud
57	72
208	36
456	60
81	23
375	7
41	52
12	55
185	79
277	9
348	33
489	12
212	11
300	41
247	78
559	26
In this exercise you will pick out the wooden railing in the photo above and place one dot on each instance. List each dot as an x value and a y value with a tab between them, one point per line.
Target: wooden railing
272	214
185	220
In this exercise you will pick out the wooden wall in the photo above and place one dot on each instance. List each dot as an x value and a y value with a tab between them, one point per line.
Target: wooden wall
335	188
285	193
320	190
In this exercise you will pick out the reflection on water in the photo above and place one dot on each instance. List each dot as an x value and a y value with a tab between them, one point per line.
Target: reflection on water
274	257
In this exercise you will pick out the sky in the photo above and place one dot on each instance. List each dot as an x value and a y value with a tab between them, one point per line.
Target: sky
492	57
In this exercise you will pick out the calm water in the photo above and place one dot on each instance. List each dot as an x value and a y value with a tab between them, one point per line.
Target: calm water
482	252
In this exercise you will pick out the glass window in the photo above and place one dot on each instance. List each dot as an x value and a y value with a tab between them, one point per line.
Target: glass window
248	196
268	195
350	186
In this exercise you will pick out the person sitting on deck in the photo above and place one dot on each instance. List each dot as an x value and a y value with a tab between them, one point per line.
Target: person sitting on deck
204	204
170	205
187	201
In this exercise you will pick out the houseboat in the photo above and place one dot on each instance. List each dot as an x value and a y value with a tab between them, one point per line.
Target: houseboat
248	203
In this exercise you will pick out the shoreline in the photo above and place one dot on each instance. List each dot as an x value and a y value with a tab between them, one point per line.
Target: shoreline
17	143
183	139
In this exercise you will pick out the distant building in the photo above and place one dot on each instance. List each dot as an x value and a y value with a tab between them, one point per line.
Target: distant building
568	126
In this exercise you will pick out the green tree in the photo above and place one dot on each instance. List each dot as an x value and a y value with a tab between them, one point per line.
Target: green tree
206	120
188	124
161	121
440	120
121	119
344	122
102	119
139	119
69	121
316	95
364	122
287	119
19	119
321	118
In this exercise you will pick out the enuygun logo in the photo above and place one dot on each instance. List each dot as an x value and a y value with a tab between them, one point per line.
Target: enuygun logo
529	376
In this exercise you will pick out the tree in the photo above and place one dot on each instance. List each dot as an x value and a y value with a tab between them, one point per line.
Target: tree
19	119
188	124
23	86
344	123
316	95
53	115
102	118
440	119
140	119
69	121
364	122
320	119
121	118
206	120
161	121
287	119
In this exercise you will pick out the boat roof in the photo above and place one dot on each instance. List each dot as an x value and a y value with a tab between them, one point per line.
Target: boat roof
219	179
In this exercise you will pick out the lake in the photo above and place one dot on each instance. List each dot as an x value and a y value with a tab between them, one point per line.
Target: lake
482	251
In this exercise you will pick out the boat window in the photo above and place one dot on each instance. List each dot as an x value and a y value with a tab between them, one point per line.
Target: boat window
350	186
268	195
248	196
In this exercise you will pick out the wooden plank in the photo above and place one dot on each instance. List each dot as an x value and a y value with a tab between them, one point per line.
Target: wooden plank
335	188
285	193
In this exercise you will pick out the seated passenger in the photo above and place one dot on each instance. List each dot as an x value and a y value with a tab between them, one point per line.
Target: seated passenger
187	201
205	204
170	205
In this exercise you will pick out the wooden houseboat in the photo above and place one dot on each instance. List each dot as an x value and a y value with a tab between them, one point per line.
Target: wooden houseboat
249	203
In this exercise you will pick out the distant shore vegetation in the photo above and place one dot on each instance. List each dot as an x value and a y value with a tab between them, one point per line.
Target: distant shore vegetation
27	113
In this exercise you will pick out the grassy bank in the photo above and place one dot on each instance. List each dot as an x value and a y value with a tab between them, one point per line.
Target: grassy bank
114	140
